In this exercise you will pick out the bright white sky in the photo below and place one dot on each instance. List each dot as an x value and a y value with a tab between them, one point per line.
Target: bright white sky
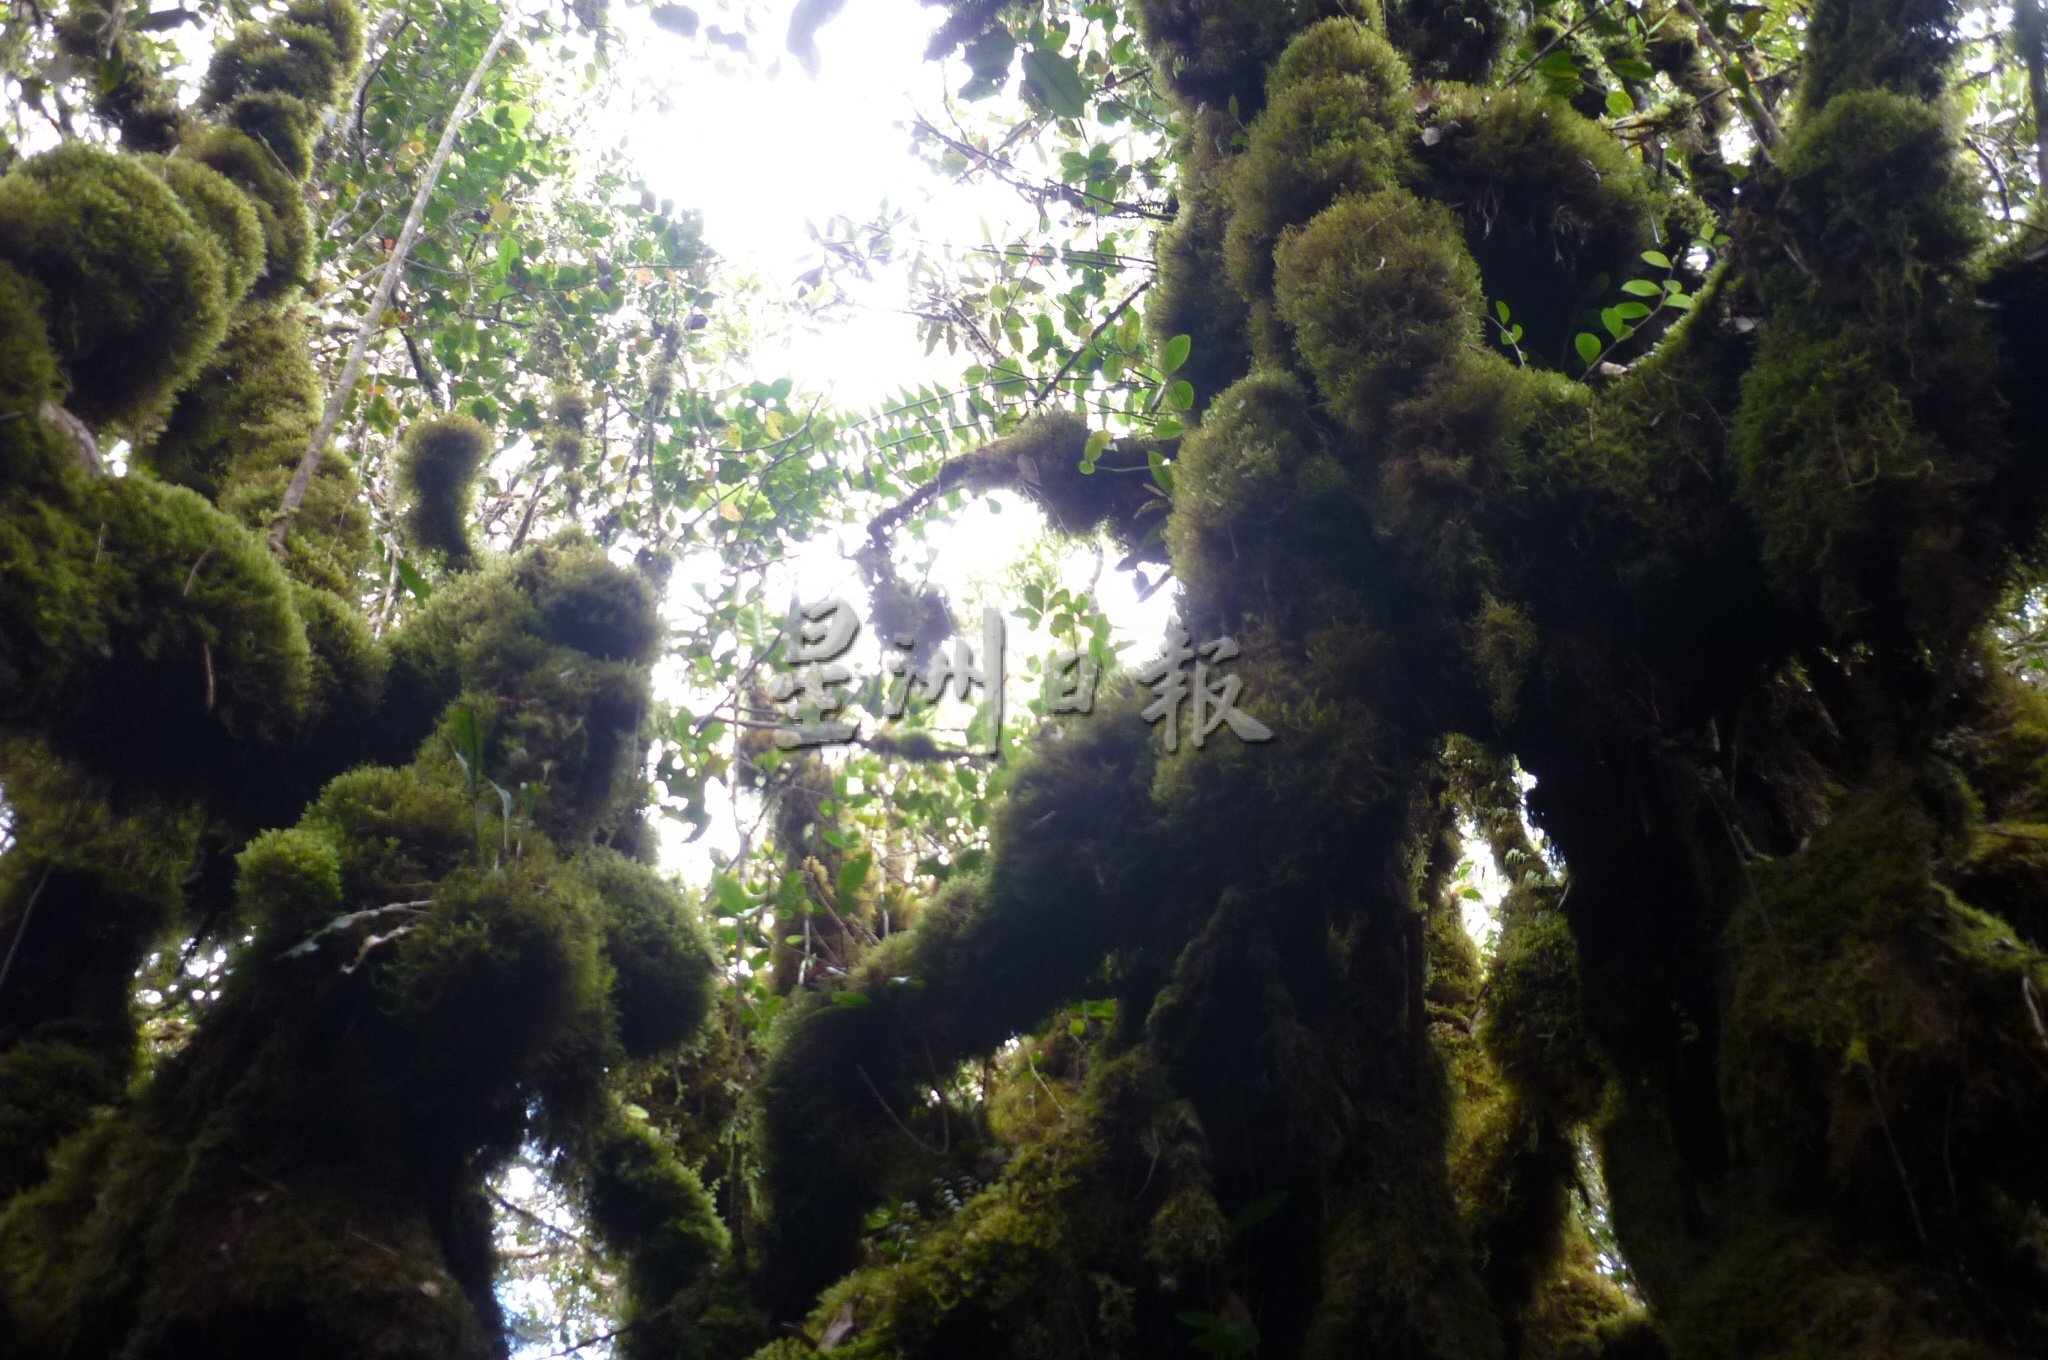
761	153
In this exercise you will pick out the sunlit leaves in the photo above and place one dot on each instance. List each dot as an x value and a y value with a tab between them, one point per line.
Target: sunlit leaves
1053	79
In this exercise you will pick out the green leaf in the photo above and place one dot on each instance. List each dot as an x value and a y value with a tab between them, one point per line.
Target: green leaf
1588	346
415	584
1056	81
1630	311
989	56
853	874
1657	258
468	740
1162	474
732	898
851	1001
1501	309
1619	104
1182	397
1097	442
1177	350
1615	324
1641	288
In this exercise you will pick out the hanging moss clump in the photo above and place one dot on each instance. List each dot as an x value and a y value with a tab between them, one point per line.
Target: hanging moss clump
563	637
438	462
658	952
127	90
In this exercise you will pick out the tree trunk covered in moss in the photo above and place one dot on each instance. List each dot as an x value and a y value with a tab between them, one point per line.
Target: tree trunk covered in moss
442	953
1726	600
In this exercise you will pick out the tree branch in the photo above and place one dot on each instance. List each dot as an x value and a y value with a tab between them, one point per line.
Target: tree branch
352	371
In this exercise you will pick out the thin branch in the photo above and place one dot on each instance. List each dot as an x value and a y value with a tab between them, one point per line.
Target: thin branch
1761	122
302	477
1046	389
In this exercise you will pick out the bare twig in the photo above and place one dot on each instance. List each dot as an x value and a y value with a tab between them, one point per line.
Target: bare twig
1761	122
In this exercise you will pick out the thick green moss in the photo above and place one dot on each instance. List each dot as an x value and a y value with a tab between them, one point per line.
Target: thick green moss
1259	494
1532	1028
134	291
1877	198
282	123
568	410
1869	426
1023	1269
1554	209
1379	291
127	88
500	981
49	1089
279	201
1070	858
145	628
648	1206
438	462
587	603
349	663
1462	40
86	890
238	432
1193	295
1899	45
226	214
552	710
1216	52
306	53
1339	122
132	1248
1580	1313
29	375
658	952
1783	1293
